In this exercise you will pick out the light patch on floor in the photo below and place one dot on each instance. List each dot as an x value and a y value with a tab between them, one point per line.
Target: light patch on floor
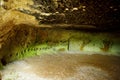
91	73
22	71
61	67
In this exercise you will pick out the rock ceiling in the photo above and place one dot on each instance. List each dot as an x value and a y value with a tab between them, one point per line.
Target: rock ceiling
102	14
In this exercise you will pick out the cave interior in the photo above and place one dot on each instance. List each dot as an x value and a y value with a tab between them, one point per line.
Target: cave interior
59	40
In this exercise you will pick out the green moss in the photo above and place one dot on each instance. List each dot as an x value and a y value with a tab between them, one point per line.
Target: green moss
38	49
69	41
1	66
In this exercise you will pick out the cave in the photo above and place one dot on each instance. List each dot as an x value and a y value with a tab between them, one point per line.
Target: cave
59	40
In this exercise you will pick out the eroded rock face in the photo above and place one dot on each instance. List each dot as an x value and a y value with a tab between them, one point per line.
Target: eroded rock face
21	36
103	14
23	40
20	33
8	30
16	37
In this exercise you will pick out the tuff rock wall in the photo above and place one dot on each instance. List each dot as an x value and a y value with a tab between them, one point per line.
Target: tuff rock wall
37	27
26	40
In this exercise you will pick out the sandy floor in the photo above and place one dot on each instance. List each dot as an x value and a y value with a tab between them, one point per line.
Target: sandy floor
64	67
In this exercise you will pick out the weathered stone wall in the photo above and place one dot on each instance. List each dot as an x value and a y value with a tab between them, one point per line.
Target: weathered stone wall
26	40
21	36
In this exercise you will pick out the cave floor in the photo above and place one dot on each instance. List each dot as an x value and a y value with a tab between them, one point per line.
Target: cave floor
64	67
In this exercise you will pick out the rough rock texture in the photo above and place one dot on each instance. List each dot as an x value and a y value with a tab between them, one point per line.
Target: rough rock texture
19	29
64	25
94	12
102	14
8	19
20	40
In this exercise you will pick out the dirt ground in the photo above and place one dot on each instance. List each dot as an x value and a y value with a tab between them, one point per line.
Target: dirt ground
64	67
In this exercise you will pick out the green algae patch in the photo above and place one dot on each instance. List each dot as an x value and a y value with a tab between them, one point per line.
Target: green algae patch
38	49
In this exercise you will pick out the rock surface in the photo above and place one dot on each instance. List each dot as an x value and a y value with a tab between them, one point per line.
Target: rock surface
102	14
38	26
